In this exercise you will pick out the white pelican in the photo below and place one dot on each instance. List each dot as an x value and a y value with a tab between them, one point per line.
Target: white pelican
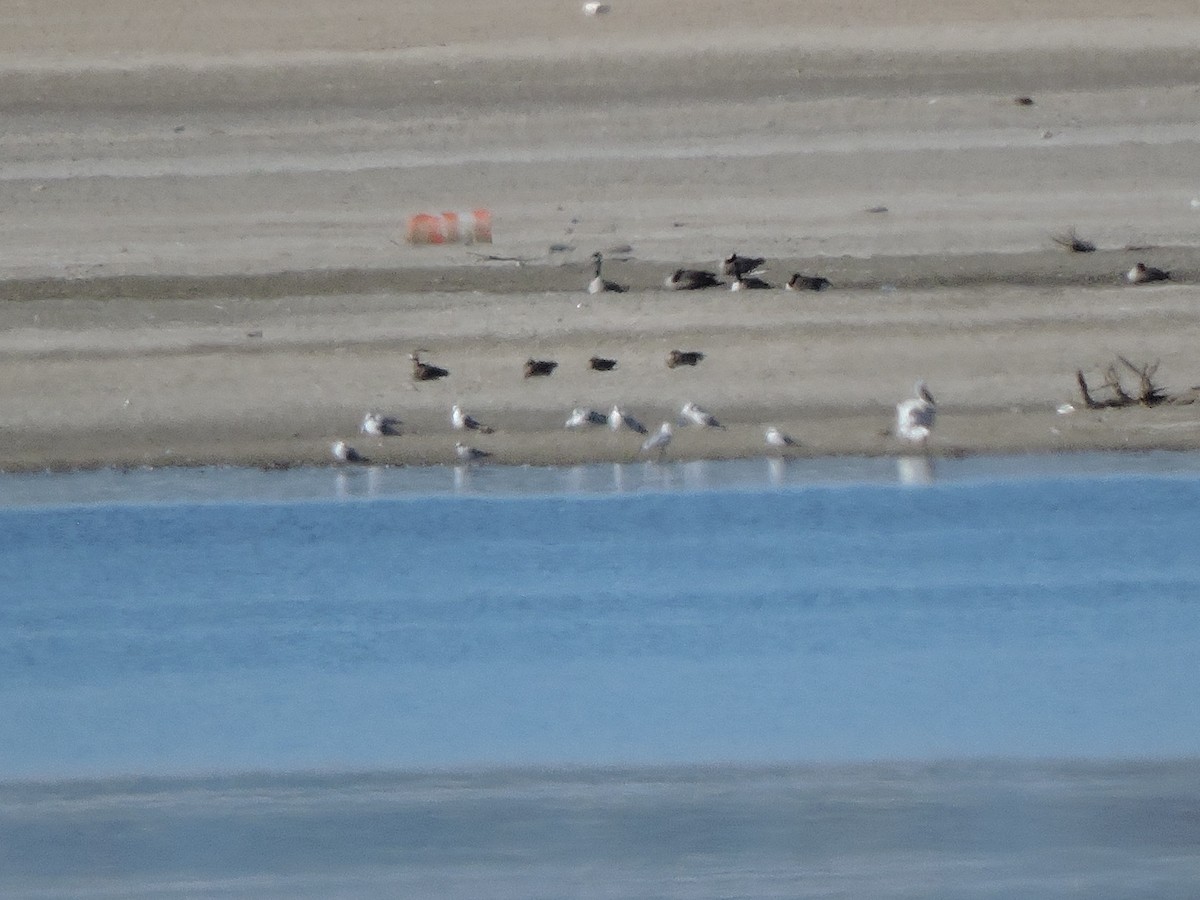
1144	274
469	454
776	438
378	424
581	418
659	440
690	412
343	452
915	417
618	419
598	285
461	421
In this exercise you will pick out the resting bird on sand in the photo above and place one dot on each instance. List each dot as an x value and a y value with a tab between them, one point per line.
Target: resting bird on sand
539	367
378	424
343	452
734	265
749	283
600	364
423	371
1144	274
469	454
581	417
692	413
800	282
463	422
598	285
915	416
776	438
691	280
683	358
618	419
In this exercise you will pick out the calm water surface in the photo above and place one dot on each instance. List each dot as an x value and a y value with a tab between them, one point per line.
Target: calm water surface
832	678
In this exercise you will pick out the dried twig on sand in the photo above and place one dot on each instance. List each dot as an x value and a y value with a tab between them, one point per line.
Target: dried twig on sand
1113	395
1071	240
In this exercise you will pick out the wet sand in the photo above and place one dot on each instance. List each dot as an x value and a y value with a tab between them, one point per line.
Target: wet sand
204	258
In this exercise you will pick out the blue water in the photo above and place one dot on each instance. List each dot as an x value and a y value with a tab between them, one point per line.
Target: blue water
1003	640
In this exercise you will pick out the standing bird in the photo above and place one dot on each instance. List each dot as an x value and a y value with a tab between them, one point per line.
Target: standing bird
1144	274
618	419
343	452
461	421
799	282
735	266
659	440
469	454
423	371
600	364
683	358
692	413
539	367
915	416
776	438
691	280
598	285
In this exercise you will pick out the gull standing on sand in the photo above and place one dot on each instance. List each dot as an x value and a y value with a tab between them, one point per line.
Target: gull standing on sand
378	424
461	421
581	417
697	416
915	416
659	440
598	285
469	454
343	452
776	438
618	419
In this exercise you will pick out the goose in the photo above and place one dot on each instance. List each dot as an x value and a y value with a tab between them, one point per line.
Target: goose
691	280
343	452
801	282
600	364
683	358
378	424
776	438
1144	274
734	265
690	412
618	419
539	367
461	421
659	440
748	283
598	285
423	371
915	416
581	417
469	454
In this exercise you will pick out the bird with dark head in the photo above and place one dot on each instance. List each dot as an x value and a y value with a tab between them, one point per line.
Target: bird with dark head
601	364
800	282
683	358
423	371
691	280
539	367
599	284
735	266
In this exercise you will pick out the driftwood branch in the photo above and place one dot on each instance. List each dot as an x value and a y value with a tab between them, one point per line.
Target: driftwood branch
1111	394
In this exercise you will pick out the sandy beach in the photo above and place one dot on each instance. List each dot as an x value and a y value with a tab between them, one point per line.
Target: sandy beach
203	260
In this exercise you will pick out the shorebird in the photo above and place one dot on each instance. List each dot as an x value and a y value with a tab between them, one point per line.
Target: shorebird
683	358
748	283
692	413
469	454
618	419
915	416
800	282
600	364
536	367
582	417
776	438
599	285
343	452
734	265
1144	274
378	424
463	422
691	280
423	371
659	440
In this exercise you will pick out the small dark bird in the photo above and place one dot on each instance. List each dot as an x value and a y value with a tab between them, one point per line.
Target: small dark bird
683	358
1023	101
799	282
1144	274
426	371
1073	242
691	280
600	364
734	265
536	367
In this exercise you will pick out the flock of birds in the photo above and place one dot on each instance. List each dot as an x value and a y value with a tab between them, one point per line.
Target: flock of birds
914	416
